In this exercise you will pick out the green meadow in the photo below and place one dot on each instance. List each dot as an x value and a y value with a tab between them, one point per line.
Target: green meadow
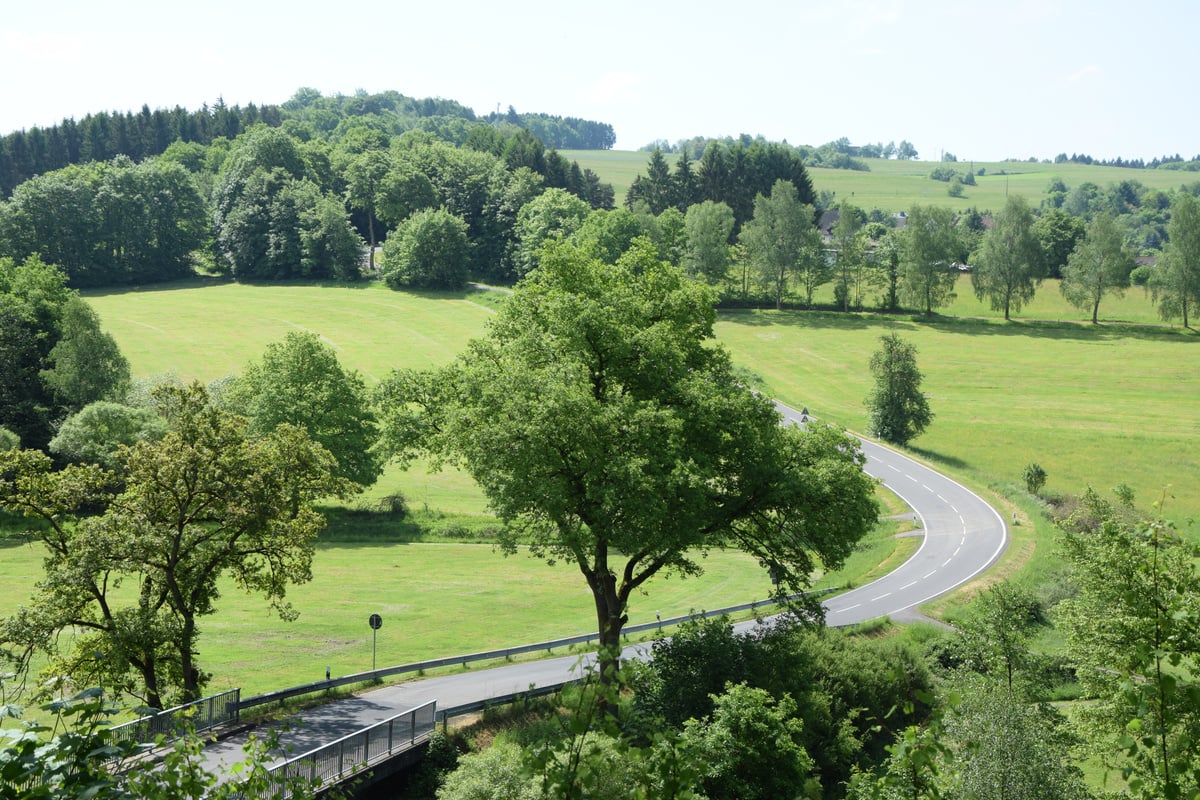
433	601
1095	405
892	185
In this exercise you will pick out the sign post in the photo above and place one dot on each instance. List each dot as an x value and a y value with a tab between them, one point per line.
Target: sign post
376	622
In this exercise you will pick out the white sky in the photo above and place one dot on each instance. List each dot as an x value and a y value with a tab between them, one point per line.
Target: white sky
983	80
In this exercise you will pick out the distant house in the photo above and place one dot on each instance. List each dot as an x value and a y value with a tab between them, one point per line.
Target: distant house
900	219
828	220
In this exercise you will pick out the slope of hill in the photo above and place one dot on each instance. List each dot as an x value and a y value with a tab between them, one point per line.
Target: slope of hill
893	185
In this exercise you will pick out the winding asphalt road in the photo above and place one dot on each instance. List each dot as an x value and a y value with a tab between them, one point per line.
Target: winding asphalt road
963	536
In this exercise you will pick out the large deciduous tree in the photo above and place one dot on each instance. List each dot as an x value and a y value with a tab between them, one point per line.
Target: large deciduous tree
202	503
299	382
930	247
898	408
606	428
430	250
1009	266
1058	233
1098	266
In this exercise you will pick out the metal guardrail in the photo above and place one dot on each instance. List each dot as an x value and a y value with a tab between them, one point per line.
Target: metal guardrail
334	762
199	715
507	652
502	700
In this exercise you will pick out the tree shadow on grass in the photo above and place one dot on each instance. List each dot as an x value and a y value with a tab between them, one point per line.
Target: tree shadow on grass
940	459
968	326
814	319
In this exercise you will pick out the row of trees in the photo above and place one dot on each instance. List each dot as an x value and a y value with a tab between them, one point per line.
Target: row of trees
734	174
307	114
104	136
271	206
1011	262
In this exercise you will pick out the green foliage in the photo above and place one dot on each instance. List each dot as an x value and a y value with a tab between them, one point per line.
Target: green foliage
78	757
54	359
1134	632
1099	266
751	747
300	382
87	364
842	687
1034	477
9	440
708	227
898	408
497	773
782	242
930	246
1058	232
851	264
94	434
1009	267
103	223
202	502
552	216
605	428
429	250
1177	288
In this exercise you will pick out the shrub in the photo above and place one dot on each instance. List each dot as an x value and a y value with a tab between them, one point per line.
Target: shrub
1034	476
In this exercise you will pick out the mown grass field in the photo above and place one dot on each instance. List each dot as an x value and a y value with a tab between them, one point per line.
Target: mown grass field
892	185
1095	405
435	599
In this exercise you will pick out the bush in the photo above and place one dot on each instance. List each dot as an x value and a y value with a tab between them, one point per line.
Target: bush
1034	477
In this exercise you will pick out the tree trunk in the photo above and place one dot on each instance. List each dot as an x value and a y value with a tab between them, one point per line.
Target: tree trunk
1095	312
191	675
610	620
371	233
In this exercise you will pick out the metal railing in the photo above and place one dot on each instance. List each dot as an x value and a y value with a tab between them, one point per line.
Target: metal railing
199	715
334	762
504	653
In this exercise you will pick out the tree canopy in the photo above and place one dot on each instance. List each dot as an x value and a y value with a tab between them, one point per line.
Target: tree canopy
299	381
54	358
607	430
1099	265
203	502
898	408
1010	263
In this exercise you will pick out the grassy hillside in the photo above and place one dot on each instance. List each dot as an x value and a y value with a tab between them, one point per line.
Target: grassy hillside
1094	405
896	185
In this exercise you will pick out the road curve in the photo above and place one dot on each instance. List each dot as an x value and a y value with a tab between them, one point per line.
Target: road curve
963	536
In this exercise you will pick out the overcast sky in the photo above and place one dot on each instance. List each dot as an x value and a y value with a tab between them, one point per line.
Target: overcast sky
983	80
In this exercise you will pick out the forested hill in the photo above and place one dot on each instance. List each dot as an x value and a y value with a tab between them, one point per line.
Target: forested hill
308	114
